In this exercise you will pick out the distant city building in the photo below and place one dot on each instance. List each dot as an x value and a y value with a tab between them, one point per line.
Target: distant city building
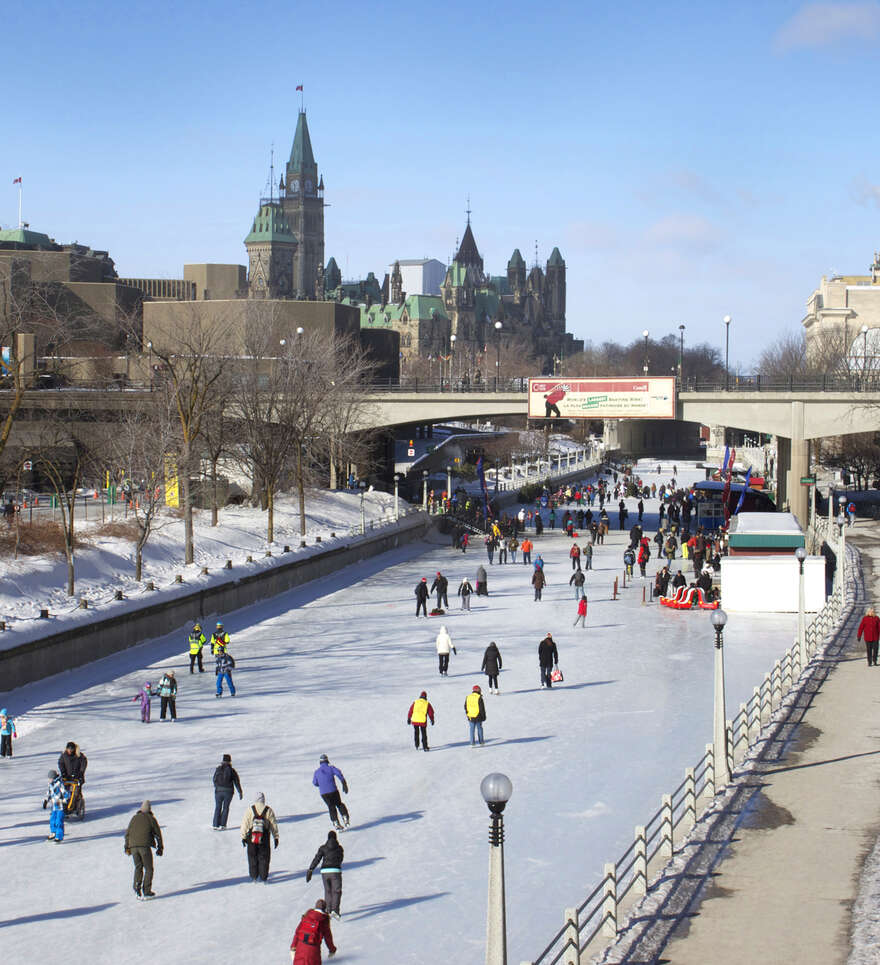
420	276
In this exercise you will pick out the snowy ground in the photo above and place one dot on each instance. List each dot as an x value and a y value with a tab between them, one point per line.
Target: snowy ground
332	667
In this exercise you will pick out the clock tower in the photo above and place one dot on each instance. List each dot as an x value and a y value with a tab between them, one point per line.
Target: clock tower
302	202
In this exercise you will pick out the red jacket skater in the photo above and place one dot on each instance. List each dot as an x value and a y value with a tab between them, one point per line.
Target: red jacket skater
305	949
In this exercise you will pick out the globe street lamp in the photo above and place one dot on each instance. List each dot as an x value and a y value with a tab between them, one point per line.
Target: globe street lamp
681	354
299	330
425	489
719	737
449	483
800	555
496	790
645	366
363	486
396	499
452	339
727	321
498	327
150	347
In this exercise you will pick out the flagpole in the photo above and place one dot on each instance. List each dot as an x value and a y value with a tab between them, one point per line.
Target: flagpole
19	203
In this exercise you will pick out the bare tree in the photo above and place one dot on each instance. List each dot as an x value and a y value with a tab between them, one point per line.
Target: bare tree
857	453
217	440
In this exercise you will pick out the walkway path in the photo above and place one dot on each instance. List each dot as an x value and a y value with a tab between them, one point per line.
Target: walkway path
774	877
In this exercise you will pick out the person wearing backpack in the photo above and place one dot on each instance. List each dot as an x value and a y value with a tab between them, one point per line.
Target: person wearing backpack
329	856
223	667
313	928
257	826
226	783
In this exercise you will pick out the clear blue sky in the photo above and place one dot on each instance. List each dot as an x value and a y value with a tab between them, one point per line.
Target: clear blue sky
689	159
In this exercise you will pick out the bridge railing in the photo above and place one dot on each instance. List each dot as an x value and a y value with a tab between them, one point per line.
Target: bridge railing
869	382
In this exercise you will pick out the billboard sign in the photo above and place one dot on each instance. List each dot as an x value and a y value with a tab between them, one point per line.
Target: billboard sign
611	398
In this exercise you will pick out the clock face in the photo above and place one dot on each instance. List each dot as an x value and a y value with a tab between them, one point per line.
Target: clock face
294	186
309	187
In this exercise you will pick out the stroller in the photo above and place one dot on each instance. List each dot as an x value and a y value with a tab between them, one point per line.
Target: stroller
76	803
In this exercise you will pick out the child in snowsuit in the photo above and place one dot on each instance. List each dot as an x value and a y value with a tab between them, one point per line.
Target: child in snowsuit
7	732
144	695
58	795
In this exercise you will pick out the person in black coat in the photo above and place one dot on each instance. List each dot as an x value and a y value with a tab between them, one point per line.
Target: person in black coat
226	783
441	585
539	524
329	856
72	763
482	582
678	580
548	658
491	666
421	592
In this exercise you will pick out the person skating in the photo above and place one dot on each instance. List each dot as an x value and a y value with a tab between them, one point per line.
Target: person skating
421	592
420	712
465	589
512	547
144	695
548	658
482	581
59	795
475	711
7	732
313	928
629	560
219	639
226	783
644	554
141	836
329	856
168	695
441	585
582	613
587	554
575	555
196	641
491	666
526	547
258	826
324	780
491	545
869	628
223	667
577	581
444	645
539	581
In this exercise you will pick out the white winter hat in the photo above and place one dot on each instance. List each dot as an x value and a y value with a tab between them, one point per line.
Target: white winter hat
260	798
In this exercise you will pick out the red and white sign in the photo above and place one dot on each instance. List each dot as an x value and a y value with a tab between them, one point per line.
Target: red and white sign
612	398
410	452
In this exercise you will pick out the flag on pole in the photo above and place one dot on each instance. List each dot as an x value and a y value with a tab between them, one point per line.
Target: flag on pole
16	181
742	495
726	458
299	86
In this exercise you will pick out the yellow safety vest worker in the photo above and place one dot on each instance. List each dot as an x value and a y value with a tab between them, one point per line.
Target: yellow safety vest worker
472	706
219	643
420	711
196	642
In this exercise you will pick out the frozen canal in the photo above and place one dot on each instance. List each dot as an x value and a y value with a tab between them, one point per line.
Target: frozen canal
332	668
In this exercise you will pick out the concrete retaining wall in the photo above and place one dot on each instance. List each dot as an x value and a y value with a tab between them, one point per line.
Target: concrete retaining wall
83	643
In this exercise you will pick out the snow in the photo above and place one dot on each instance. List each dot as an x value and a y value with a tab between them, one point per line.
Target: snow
332	667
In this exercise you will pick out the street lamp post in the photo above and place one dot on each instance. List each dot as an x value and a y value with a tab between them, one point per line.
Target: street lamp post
150	347
719	737
727	321
498	327
864	354
645	366
452	339
800	555
396	496
496	790
425	489
363	486
449	483
681	354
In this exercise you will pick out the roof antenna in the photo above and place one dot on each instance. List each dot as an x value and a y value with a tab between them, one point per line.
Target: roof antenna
536	252
468	209
272	173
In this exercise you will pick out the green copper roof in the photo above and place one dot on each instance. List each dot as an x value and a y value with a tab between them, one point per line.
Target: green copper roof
24	236
270	225
555	259
516	259
301	157
425	306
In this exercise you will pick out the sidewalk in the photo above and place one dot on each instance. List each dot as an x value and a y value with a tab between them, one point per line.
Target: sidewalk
774	876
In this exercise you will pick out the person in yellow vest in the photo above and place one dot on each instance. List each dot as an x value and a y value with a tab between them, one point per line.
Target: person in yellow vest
475	710
420	712
219	639
196	641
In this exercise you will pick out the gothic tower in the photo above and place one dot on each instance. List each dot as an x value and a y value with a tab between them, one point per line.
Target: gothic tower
516	273
397	294
303	204
271	250
554	292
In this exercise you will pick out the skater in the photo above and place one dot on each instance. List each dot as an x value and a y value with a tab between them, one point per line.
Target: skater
464	591
441	585
59	796
482	581
144	695
7	732
464	542
421	592
512	547
582	612
223	667
475	711
548	658
219	639
420	712
577	580
502	551
313	928
329	856
644	554
870	629
575	554
324	780
196	641
629	560
257	826
444	645
72	764
539	581
168	695
491	666
527	550
587	554
142	834
226	783
491	544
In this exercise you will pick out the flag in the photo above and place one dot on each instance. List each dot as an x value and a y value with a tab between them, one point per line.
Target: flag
742	495
725	498
726	458
299	86
16	181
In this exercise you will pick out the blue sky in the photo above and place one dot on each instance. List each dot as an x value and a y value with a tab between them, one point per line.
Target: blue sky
689	160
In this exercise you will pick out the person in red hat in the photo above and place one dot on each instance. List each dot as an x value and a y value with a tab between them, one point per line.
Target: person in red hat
441	585
475	710
420	712
313	928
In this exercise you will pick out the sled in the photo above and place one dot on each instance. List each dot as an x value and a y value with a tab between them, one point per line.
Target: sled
689	598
